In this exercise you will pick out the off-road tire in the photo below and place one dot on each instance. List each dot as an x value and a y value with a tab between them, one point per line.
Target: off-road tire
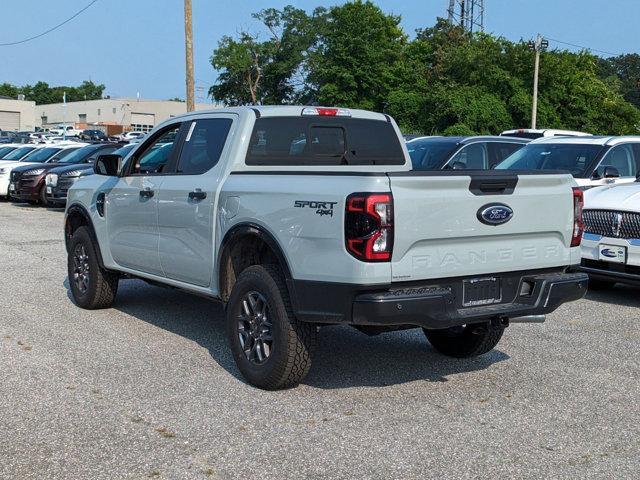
597	284
467	341
102	284
293	341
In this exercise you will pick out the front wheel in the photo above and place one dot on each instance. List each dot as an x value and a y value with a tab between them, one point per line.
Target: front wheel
466	340
92	287
271	348
43	196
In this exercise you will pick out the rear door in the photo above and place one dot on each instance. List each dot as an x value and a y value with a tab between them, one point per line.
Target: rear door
187	201
440	230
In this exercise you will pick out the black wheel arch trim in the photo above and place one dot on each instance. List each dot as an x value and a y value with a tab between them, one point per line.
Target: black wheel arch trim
82	211
268	238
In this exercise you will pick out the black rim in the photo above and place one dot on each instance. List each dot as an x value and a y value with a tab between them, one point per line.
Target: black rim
254	328
81	268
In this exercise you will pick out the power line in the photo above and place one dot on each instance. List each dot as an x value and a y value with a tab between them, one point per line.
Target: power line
582	47
50	30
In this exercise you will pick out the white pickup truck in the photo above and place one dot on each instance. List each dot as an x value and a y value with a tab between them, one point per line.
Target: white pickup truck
300	217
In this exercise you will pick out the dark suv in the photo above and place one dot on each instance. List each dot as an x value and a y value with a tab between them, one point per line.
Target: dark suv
97	135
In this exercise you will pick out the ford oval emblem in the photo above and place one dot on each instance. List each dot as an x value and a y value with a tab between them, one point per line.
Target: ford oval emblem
495	214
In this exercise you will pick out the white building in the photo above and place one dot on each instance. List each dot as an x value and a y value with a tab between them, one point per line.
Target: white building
17	115
119	113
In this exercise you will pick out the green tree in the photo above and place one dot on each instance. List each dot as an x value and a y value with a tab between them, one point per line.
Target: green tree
42	93
270	71
625	69
358	52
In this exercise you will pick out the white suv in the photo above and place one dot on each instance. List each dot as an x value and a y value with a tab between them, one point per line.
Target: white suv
593	161
611	242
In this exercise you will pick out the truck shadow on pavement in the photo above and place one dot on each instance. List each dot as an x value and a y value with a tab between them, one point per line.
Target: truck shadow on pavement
623	295
345	357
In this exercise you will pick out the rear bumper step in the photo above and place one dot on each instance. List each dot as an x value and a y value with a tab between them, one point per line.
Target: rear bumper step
437	306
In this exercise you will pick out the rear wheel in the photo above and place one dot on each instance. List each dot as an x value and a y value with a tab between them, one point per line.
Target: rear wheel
597	284
466	340
92	287
271	348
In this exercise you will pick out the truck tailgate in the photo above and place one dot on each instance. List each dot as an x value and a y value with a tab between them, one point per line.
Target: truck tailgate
440	231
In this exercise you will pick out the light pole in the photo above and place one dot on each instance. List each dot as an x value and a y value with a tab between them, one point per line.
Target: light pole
538	45
188	41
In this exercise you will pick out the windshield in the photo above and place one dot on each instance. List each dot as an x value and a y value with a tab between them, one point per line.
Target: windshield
61	156
78	155
5	150
430	154
18	153
574	158
124	151
42	155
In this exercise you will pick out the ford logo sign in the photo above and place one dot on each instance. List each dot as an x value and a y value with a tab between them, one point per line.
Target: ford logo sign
495	214
608	253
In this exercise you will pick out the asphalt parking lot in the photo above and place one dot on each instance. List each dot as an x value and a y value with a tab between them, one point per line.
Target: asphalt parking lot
148	389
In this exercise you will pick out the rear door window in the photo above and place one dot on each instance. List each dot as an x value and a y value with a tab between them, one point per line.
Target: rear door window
203	145
290	141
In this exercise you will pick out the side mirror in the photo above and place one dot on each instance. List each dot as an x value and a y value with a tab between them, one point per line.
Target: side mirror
108	164
458	166
611	172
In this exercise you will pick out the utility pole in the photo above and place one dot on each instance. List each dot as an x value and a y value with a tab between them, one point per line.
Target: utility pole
188	41
537	46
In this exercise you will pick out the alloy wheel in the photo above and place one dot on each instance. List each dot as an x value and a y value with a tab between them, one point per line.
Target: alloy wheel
81	268
255	328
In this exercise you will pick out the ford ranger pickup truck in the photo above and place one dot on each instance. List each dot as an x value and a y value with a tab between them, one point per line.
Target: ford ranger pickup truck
302	217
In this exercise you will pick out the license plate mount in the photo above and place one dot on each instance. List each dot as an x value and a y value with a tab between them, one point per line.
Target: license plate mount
481	291
612	253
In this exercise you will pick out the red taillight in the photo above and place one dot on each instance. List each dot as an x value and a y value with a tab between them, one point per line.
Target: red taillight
326	112
578	226
368	226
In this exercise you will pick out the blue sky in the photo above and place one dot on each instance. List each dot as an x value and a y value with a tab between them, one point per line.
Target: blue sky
137	45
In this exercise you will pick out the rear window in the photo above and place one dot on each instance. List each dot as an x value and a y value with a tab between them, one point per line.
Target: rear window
290	141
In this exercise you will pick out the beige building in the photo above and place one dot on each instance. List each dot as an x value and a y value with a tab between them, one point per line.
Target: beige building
120	113
17	115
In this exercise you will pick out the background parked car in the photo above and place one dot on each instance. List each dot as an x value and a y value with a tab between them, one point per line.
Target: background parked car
592	161
610	246
130	136
471	153
26	179
98	135
59	179
532	133
66	130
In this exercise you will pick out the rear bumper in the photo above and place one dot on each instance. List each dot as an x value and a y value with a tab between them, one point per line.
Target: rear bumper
437	304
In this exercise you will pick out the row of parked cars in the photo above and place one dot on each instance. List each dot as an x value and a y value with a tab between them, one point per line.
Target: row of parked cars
43	173
301	217
67	132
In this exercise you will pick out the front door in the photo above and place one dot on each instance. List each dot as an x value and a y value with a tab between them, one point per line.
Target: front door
132	204
187	201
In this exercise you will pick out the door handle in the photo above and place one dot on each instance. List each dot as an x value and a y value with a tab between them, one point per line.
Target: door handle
146	193
197	195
